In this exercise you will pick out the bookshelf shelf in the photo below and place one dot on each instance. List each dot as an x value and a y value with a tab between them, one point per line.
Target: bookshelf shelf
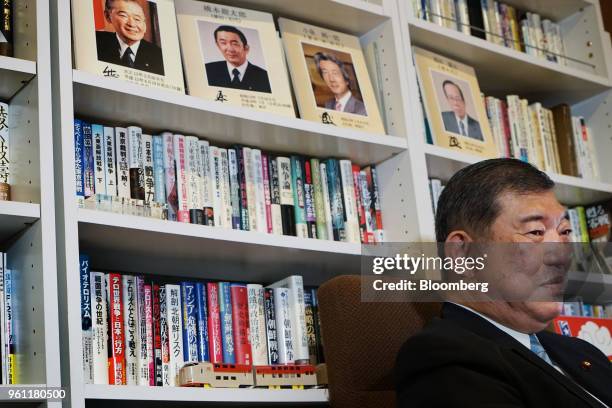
210	395
146	245
14	74
502	71
158	110
15	216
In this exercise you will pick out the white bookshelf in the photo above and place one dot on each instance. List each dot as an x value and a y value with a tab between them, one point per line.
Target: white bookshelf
16	216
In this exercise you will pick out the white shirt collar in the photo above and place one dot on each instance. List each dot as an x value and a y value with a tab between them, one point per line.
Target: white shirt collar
242	68
344	100
522	338
123	46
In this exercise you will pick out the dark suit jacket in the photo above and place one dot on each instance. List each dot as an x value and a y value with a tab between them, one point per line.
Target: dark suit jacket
353	105
148	58
451	125
462	360
254	79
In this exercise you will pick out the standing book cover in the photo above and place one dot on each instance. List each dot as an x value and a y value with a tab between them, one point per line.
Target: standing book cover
330	77
455	109
136	41
233	55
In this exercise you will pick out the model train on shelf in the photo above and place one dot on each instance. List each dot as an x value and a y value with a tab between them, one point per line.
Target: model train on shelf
242	376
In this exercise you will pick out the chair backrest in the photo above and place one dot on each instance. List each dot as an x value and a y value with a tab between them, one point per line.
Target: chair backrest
361	342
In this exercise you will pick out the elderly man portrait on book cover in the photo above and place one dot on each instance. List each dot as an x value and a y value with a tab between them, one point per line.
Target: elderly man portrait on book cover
457	119
493	349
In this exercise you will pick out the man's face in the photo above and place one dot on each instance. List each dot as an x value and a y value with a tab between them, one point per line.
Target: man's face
530	237
233	49
332	75
128	19
455	100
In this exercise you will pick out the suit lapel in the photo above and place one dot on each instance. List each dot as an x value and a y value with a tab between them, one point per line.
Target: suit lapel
350	105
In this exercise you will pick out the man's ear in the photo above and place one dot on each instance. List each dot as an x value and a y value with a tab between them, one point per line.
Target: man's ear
107	16
457	244
247	47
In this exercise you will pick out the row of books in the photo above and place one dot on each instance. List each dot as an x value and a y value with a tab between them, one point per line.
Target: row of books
235	188
499	23
230	55
141	331
8	341
551	139
579	308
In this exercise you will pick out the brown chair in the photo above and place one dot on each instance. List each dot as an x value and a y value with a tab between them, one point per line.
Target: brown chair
361	341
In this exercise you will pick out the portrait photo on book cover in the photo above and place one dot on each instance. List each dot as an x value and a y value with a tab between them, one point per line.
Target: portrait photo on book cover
233	57
456	104
333	79
127	34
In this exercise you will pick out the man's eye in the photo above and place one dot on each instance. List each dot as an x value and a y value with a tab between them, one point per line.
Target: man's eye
538	233
566	232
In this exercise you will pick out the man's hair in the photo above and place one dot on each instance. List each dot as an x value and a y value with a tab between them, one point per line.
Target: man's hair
108	4
325	56
449	82
470	200
231	29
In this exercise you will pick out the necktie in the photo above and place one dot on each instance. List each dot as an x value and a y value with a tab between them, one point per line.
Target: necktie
338	106
127	58
236	77
462	128
538	349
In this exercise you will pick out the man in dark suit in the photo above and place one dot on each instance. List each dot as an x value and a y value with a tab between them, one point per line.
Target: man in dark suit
336	77
126	45
235	71
457	120
496	352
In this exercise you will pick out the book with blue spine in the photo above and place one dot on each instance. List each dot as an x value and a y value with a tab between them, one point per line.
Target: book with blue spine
89	180
336	200
86	319
297	184
227	331
190	318
203	354
78	159
159	177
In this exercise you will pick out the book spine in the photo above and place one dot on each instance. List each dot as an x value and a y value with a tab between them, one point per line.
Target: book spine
317	321
284	326
148	301
225	190
242	192
350	206
271	328
336	201
89	179
584	230
136	161
319	202
3	325
175	332
86	323
258	182
78	157
286	195
257	324
203	354
116	360
297	185
123	165
158	170
227	331
194	180
11	344
240	323
234	187
265	166
190	319
275	203
147	164
6	28
98	149
157	342
110	163
379	235
309	204
295	285
247	159
207	184
310	327
170	176
180	159
214	323
366	199
164	334
363	235
131	329
326	202
215	169
141	336
99	328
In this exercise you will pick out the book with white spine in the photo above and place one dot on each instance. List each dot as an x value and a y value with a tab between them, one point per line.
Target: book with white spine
136	163
250	187
207	184
193	167
350	205
110	163
131	328
147	163
257	324
123	166
97	132
226	199
284	325
215	171
175	332
260	202
99	329
180	158
295	285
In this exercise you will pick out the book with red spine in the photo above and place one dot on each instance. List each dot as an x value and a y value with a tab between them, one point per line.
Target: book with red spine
214	323
360	209
148	298
116	351
240	322
266	185
157	348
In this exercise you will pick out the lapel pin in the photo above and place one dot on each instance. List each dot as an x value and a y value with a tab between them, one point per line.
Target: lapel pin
586	365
